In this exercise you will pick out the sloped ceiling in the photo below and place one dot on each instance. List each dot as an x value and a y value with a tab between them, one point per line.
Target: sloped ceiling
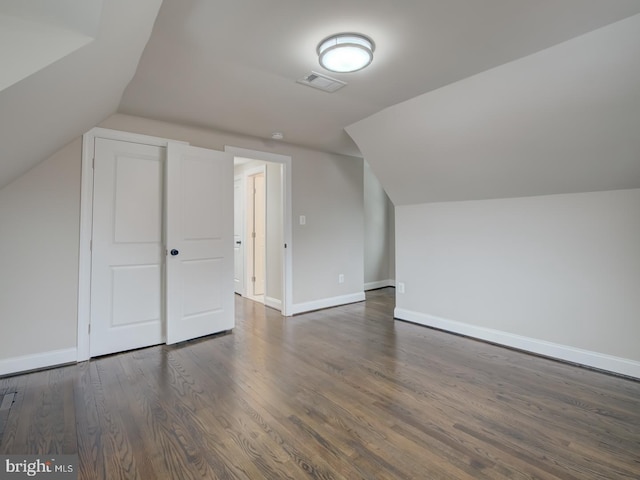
562	120
36	33
233	65
64	91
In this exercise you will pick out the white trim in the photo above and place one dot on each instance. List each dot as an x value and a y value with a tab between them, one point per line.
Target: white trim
84	261
86	220
273	303
35	361
286	161
379	284
327	303
122	136
588	358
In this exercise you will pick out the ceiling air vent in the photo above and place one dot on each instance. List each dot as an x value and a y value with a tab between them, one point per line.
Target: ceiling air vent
322	82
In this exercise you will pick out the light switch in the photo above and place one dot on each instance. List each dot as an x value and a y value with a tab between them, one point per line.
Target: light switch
303	220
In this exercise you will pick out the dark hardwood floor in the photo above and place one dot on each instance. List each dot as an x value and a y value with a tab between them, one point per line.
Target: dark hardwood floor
339	393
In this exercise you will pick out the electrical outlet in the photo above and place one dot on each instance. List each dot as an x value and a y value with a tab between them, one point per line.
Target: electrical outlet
400	287
341	278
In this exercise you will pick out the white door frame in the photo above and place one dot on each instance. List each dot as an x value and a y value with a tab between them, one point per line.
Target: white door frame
287	269
86	222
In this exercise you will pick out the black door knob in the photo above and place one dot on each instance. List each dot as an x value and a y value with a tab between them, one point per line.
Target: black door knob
174	252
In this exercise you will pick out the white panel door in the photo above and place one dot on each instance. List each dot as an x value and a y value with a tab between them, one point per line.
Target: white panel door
200	290
127	247
238	247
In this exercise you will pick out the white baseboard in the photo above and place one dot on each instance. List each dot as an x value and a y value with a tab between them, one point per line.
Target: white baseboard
588	358
35	361
327	303
380	284
273	302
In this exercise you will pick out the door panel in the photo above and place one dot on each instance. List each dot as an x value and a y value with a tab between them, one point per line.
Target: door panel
200	228
203	286
138	199
137	294
127	247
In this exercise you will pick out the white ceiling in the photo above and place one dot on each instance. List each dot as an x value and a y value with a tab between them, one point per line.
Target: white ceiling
233	65
37	33
563	120
68	71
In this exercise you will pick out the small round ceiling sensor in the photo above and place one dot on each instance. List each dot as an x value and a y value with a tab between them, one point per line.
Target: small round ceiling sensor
277	135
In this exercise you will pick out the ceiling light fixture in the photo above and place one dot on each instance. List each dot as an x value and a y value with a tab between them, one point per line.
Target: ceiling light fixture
346	52
277	135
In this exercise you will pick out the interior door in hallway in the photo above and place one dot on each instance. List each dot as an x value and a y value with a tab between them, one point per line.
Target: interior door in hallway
259	234
127	247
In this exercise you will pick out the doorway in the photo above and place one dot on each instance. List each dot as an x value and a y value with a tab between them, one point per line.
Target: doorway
259	246
277	258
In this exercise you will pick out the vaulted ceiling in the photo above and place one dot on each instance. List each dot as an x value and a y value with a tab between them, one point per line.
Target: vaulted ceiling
233	66
79	56
562	120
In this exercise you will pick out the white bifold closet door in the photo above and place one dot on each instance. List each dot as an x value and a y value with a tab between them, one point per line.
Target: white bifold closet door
150	202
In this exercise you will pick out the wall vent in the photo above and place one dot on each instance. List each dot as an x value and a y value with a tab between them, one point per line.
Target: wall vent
322	82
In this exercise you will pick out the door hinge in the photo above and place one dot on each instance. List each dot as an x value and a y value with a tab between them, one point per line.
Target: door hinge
93	163
91	245
253	279
253	234
89	329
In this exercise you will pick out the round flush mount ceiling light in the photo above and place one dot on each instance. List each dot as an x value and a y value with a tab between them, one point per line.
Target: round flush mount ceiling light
345	52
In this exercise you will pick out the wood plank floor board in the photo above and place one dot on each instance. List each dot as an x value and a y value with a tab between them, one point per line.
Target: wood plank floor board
245	430
277	414
18	385
341	393
172	432
89	435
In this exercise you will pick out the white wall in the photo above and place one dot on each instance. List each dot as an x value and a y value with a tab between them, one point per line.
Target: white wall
379	232
328	191
557	274
39	228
